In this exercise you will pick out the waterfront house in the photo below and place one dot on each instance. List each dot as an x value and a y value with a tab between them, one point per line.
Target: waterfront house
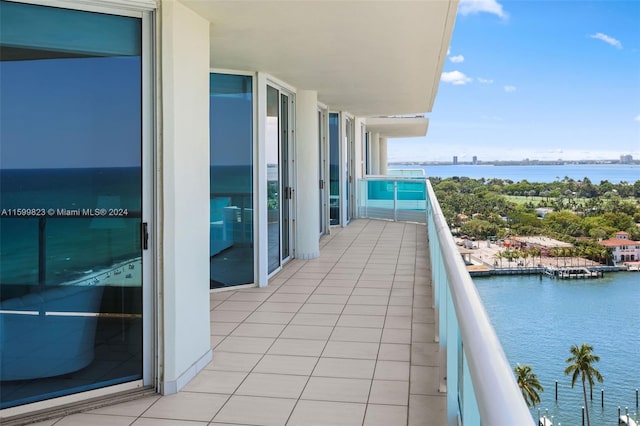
623	249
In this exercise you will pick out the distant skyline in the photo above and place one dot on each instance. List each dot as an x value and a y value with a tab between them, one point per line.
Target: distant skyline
542	80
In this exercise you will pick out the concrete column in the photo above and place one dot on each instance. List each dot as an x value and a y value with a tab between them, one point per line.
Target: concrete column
383	156
374	148
184	345
307	191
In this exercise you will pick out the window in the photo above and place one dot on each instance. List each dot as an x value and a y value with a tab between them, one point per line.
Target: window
231	200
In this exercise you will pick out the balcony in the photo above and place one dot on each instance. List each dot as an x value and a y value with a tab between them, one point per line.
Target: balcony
359	336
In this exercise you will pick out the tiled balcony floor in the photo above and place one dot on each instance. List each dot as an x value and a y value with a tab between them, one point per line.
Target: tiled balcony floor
345	339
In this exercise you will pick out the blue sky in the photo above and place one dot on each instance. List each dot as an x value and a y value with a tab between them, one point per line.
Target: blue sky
536	79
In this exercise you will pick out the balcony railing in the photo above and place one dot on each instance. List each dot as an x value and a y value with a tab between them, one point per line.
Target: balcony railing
399	198
480	385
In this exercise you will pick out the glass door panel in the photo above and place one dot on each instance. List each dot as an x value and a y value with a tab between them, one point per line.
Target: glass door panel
334	168
231	256
285	189
71	202
272	139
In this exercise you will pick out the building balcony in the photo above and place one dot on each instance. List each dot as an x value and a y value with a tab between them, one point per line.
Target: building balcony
384	328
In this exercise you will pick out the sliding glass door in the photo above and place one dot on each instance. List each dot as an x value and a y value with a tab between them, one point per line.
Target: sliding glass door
279	171
334	168
231	248
72	233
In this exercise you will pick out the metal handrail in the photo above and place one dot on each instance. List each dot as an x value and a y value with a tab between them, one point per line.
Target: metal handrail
497	394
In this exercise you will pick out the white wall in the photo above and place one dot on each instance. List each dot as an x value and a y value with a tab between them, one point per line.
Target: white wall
184	346
307	185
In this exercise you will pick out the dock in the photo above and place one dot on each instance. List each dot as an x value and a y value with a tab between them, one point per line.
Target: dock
544	421
626	419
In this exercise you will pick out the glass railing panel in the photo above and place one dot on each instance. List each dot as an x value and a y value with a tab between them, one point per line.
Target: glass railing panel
481	388
394	198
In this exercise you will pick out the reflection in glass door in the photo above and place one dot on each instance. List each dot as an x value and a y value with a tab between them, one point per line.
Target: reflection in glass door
279	187
350	167
321	169
334	168
71	200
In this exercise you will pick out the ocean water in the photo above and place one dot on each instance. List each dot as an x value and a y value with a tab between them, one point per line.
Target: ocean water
73	246
614	173
537	320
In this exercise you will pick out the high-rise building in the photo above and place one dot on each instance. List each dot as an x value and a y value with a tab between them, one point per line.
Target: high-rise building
455	160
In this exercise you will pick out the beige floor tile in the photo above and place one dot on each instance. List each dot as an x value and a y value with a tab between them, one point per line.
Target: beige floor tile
396	335
222	328
424	380
338	299
391	370
314	332
133	408
324	413
271	317
187	406
332	282
394	352
253	345
216	340
229	305
393	392
245	296
422	302
424	315
374	283
288	298
385	415
424	354
345	291
403	311
315	319
367	291
427	410
273	385
393	321
83	419
253	410
212	381
375	321
302	347
228	316
321	308
356	334
258	330
286	364
354	350
400	301
272	306
143	421
295	289
233	361
365	310
337	389
423	333
369	300
347	368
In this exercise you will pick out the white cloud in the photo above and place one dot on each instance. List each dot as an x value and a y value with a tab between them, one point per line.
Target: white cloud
485	80
456	78
470	7
457	59
637	118
510	89
607	39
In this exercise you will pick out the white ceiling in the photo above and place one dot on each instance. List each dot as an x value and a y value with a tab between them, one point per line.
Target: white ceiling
365	57
398	127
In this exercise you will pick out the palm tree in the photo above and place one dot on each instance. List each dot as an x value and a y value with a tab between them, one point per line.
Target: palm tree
580	364
528	384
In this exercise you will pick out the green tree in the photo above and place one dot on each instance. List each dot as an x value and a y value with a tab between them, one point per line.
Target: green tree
528	384
581	365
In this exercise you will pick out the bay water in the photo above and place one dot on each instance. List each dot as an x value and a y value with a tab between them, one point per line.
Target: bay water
537	319
614	173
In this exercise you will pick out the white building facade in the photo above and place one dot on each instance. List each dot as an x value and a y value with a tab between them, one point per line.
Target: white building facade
155	151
